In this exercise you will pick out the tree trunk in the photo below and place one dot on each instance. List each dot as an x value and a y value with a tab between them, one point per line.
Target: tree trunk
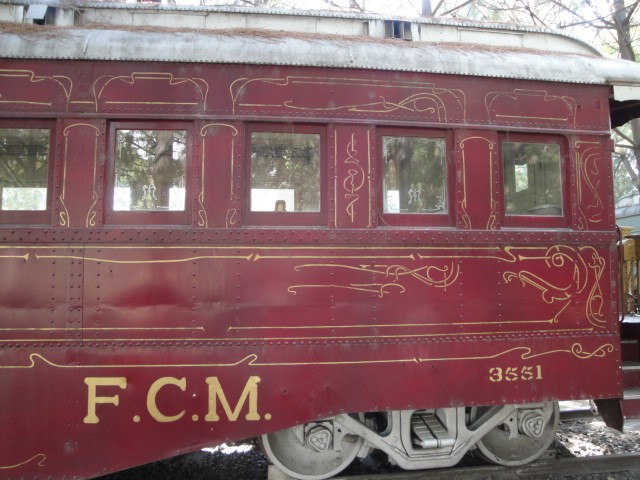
623	30
426	8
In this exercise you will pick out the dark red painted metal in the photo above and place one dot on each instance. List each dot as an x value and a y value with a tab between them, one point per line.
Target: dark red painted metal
125	341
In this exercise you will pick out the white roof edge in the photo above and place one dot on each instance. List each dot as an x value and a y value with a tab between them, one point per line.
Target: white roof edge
348	52
623	91
115	13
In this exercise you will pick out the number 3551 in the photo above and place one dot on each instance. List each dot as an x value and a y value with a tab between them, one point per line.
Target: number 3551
515	374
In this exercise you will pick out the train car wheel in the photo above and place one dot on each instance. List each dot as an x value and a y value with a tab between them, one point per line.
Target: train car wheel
312	451
523	437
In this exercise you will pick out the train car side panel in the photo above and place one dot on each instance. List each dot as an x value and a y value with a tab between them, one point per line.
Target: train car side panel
214	320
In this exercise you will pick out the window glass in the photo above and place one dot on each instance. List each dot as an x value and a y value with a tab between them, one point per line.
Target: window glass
150	170
532	178
285	172
24	168
414	175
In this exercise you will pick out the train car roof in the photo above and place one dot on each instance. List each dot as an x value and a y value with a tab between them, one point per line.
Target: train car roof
232	35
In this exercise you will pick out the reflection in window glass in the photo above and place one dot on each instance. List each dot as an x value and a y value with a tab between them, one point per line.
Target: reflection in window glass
285	172
414	175
150	170
24	169
532	178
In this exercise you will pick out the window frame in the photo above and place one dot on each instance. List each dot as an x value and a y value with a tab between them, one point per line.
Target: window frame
149	217
537	221
443	219
34	217
286	219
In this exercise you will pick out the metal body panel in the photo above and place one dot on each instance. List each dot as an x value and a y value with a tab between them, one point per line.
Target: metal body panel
218	329
224	92
174	418
331	284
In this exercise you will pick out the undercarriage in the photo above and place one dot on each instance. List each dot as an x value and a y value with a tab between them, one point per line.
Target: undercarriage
414	439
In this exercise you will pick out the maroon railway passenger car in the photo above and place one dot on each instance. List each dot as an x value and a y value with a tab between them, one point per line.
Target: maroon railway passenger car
331	241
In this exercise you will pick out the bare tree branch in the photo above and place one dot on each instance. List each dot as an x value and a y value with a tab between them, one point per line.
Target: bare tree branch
455	9
630	171
621	134
631	9
354	4
435	10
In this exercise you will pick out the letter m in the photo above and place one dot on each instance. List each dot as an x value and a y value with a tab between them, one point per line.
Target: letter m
215	392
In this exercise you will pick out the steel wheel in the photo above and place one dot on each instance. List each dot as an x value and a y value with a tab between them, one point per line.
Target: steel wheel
312	451
523	437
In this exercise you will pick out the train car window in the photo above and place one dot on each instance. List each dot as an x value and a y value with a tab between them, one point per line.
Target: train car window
285	172
25	171
148	177
150	170
24	168
285	175
532	178
415	178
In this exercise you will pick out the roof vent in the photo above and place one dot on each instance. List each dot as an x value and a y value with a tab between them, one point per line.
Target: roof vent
397	29
40	14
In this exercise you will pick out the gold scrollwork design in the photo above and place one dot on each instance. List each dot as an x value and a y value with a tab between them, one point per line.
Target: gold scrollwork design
39	457
64	215
577	350
24	257
248	257
595	299
507	105
420	103
379	289
355	178
492	219
232	217
430	99
203	220
202	212
250	359
201	87
431	275
64	82
587	269
549	292
92	213
588	175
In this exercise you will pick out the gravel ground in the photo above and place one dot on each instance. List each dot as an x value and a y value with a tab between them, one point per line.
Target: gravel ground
592	437
246	462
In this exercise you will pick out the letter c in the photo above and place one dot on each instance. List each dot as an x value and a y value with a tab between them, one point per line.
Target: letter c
152	407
